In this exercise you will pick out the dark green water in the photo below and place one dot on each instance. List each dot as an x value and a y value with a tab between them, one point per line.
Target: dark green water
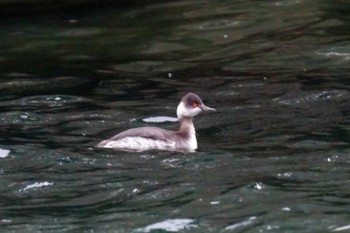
274	158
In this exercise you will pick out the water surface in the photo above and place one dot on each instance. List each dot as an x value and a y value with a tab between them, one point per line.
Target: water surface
274	158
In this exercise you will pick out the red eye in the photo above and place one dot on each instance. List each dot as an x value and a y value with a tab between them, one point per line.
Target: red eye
195	104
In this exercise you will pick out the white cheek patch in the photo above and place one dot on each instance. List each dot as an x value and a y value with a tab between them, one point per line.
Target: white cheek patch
182	111
197	110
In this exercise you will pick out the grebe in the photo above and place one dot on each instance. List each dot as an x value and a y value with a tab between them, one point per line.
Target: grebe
154	138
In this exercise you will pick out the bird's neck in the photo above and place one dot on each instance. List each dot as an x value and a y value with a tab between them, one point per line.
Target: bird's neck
186	125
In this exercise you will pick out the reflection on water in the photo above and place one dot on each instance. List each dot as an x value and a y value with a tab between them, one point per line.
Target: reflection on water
274	158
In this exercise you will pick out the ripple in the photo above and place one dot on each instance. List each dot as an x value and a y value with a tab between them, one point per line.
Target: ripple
51	100
218	24
314	144
79	32
342	52
309	144
312	96
19	75
150	66
163	47
283	3
17	117
28	85
227	93
78	57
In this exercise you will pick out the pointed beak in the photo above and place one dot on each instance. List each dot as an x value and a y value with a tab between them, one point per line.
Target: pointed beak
207	109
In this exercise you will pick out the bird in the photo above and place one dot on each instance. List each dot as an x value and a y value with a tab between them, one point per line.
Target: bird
153	138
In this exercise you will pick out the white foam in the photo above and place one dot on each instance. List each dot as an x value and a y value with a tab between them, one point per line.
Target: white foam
339	52
4	153
286	209
171	225
6	221
336	54
241	224
259	186
36	185
343	228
